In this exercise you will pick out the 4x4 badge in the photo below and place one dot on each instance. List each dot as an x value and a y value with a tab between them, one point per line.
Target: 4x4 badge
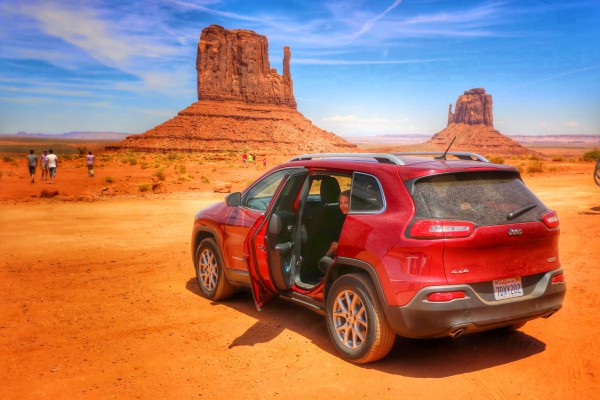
515	232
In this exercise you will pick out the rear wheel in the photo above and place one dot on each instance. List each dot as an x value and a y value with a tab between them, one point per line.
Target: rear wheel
355	320
209	272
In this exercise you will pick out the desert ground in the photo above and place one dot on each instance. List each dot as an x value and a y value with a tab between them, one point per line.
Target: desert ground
99	298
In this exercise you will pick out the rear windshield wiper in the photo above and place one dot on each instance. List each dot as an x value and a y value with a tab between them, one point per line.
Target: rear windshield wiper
520	211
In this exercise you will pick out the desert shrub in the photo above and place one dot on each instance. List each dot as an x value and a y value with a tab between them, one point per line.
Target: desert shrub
535	167
180	168
109	179
144	165
144	187
558	158
160	174
184	178
174	156
496	159
8	159
214	169
82	151
204	179
591	155
131	160
66	157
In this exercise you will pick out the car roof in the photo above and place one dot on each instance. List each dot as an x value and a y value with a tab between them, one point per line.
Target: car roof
408	165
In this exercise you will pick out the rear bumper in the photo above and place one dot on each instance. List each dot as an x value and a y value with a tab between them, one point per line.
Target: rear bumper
424	319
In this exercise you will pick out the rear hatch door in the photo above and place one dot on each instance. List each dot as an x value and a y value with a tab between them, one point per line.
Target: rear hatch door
508	237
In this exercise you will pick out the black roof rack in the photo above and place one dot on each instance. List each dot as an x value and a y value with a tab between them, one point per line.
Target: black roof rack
389	158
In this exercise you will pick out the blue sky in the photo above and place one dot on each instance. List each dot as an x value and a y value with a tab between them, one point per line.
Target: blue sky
359	67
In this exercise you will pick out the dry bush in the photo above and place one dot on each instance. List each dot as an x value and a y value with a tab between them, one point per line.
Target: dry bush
144	187
109	179
558	159
496	159
204	179
160	174
591	155
535	167
180	168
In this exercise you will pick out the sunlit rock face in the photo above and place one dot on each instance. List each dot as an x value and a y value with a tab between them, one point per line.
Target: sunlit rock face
242	103
233	65
472	124
473	107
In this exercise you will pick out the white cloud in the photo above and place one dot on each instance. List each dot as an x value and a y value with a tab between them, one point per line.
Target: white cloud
570	124
342	118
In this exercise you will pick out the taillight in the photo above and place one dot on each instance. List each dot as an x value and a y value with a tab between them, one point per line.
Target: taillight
445	296
550	219
440	229
558	278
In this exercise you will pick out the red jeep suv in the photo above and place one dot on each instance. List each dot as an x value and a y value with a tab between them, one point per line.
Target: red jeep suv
421	247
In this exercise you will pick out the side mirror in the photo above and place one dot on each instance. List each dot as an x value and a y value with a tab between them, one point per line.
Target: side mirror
234	199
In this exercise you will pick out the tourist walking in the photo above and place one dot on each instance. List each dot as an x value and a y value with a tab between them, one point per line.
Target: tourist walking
32	164
52	162
244	159
44	165
90	164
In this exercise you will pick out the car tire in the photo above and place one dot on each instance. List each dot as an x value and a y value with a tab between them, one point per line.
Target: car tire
209	271
355	320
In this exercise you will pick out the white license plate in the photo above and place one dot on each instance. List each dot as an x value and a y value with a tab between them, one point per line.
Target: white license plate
507	288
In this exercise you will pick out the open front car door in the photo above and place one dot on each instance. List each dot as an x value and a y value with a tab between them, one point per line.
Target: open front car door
270	243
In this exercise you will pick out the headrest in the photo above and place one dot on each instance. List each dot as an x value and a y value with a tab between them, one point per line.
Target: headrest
330	190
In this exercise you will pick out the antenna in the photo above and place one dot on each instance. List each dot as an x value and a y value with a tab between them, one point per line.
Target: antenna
443	156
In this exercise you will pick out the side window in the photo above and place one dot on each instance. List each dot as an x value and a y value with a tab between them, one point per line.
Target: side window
260	195
366	195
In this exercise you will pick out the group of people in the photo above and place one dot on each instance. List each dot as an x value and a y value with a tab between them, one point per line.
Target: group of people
48	162
251	158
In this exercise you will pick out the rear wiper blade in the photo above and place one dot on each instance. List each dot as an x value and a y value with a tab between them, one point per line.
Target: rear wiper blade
520	211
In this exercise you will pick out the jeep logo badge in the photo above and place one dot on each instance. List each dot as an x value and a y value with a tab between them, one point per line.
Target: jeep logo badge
515	232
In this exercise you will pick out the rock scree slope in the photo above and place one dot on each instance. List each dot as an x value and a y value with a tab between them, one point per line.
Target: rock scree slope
472	123
242	103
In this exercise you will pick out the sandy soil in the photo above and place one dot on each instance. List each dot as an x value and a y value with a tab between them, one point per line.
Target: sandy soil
99	300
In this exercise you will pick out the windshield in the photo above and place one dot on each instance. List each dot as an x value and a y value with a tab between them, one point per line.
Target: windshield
485	198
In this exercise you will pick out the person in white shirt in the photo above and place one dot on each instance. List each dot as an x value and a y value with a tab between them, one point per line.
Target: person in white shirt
52	161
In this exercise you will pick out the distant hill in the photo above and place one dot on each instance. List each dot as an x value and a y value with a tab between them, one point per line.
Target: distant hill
409	139
109	136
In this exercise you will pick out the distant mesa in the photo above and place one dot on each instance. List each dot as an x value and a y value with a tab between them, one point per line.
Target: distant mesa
242	102
472	123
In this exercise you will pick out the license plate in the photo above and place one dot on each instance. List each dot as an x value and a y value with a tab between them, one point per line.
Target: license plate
507	288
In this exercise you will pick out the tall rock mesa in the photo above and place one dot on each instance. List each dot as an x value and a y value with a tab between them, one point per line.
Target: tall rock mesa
473	107
471	127
233	65
242	103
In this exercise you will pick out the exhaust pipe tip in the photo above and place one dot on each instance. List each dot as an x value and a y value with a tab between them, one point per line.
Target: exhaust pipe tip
456	333
551	313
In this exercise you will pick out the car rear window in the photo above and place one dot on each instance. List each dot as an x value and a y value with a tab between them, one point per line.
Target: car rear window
485	198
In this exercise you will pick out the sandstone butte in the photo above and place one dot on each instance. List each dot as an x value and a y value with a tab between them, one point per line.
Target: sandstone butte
242	103
472	123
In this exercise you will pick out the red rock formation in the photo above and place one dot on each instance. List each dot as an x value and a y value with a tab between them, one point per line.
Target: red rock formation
242	102
473	126
473	107
215	126
234	65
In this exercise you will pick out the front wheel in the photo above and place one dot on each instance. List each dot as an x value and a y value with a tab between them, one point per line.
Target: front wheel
209	272
355	320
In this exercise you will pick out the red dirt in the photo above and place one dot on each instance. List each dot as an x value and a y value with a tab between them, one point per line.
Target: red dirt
99	300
